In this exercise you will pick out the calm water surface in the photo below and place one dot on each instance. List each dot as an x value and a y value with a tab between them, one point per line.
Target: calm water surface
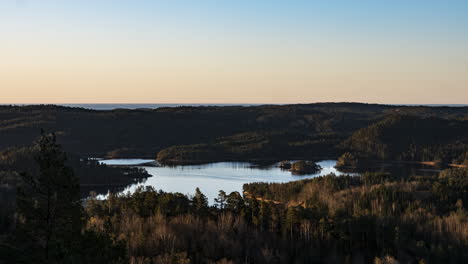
210	178
126	162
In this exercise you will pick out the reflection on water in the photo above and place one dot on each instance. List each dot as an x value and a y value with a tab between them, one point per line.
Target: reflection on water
126	162
403	169
210	178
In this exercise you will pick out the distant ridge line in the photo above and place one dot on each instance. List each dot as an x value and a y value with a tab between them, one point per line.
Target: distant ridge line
130	106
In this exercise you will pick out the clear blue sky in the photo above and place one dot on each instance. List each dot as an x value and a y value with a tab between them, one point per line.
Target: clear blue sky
397	51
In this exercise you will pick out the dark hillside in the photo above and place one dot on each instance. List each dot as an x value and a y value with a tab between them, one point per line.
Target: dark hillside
145	132
141	133
411	138
91	174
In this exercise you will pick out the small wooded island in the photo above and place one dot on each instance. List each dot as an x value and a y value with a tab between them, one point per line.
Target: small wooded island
300	167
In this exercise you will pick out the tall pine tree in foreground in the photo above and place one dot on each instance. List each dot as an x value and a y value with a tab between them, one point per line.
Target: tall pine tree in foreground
51	219
49	207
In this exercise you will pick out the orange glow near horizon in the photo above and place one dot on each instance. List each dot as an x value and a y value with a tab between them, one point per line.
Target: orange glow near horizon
52	52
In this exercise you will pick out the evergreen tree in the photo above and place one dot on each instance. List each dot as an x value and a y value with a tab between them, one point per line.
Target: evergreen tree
221	200
264	215
199	201
50	215
235	202
291	220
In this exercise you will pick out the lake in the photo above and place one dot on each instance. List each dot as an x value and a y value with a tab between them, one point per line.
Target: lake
210	178
231	176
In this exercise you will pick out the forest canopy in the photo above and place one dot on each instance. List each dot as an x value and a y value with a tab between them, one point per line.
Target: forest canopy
373	217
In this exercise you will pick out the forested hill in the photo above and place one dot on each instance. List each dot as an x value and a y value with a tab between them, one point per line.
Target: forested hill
410	138
143	133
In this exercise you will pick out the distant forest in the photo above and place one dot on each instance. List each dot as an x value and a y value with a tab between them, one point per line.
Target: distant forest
266	133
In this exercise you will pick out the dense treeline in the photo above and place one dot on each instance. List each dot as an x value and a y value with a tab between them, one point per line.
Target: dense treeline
407	218
397	138
410	138
144	132
234	132
49	220
255	147
92	175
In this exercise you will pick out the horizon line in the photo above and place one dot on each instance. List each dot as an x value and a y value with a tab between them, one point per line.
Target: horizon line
239	104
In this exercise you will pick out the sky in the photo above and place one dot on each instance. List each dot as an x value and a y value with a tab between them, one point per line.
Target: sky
242	51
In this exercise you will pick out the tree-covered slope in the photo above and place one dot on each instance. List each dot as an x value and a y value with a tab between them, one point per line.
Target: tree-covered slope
91	174
145	132
411	138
